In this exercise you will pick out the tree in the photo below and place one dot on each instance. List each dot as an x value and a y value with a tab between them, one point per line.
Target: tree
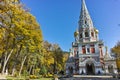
20	32
116	50
22	47
54	58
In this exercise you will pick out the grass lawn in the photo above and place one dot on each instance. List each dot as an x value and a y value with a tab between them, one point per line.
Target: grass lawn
45	79
23	78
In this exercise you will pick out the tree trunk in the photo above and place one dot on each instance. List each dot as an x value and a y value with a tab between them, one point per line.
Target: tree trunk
30	69
6	60
22	65
16	57
13	70
33	70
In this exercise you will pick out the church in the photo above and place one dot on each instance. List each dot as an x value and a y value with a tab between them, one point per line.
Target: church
87	55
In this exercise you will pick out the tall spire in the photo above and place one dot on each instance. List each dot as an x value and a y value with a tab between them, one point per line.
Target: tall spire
85	19
107	56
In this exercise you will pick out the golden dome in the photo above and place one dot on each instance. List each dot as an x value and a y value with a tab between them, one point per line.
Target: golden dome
96	31
76	33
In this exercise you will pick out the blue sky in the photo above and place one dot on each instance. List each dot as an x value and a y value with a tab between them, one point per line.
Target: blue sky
58	19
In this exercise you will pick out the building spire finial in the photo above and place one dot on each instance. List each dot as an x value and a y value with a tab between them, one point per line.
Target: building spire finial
85	19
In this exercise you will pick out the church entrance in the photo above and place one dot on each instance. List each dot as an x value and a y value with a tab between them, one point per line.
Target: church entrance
71	70
90	69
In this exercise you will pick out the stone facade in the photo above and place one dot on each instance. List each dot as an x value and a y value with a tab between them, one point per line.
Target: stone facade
87	52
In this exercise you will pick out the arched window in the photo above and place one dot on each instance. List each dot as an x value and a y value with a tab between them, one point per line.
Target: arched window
86	34
110	68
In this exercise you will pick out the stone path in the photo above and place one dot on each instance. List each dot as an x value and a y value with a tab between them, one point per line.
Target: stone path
89	79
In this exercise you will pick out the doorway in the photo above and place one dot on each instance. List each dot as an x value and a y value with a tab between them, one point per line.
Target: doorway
90	69
71	70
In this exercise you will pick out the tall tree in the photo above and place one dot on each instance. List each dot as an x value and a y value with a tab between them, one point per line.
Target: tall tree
19	32
116	50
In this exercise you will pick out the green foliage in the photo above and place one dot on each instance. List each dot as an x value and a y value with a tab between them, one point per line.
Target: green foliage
43	71
25	73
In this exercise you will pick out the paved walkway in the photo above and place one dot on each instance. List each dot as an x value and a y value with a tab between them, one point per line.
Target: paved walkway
93	76
2	77
90	77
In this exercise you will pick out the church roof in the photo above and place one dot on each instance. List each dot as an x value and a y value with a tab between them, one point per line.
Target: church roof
107	56
85	19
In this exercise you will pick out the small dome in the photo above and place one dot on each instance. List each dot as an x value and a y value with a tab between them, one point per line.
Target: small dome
96	31
76	33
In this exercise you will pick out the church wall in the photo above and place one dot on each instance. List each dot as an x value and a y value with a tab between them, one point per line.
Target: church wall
110	63
87	46
82	70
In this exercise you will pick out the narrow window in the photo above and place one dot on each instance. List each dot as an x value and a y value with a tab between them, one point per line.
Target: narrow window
92	34
101	51
77	54
81	35
88	50
83	50
75	51
85	22
92	48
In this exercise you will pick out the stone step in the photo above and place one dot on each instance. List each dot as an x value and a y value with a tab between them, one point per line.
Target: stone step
93	76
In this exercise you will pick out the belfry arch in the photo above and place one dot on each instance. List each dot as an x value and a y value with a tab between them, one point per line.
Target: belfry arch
110	69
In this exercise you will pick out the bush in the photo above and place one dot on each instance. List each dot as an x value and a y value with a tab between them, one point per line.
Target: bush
33	77
49	75
55	76
43	70
15	74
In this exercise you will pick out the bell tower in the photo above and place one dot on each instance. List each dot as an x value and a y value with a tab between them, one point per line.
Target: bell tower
89	47
87	31
87	50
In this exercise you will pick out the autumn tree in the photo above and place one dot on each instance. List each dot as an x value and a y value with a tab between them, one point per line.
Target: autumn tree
116	50
22	47
54	58
20	32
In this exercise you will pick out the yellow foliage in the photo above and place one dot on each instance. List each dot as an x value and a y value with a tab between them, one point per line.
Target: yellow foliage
118	63
20	27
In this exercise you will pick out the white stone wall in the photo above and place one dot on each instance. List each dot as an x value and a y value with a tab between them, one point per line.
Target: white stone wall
82	69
